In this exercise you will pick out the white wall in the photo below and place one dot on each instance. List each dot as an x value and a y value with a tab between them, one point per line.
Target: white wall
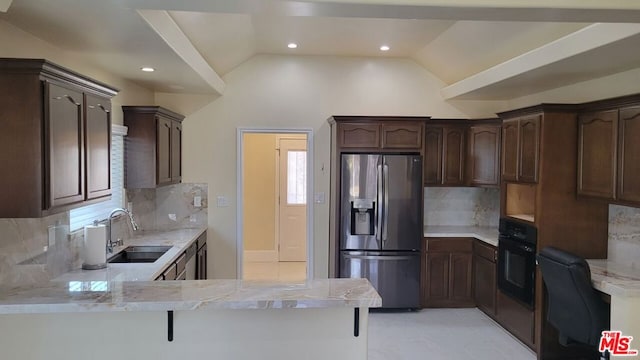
296	92
17	43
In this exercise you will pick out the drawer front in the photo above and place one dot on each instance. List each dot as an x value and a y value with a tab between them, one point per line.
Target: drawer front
449	244
485	250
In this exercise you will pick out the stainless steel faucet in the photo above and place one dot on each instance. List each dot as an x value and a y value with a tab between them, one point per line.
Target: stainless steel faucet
134	226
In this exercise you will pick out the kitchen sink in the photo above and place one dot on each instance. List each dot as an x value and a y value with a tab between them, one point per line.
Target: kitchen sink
139	254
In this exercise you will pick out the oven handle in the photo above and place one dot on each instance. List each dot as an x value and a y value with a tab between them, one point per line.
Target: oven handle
514	244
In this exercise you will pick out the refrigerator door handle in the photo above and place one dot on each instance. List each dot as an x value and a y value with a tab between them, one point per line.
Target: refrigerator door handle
379	206
386	203
380	257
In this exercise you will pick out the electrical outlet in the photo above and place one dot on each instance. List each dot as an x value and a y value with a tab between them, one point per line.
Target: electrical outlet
319	198
52	235
172	217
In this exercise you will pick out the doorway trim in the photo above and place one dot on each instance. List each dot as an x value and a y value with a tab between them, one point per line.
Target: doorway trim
239	191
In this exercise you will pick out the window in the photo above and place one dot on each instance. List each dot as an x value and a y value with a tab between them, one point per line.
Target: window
296	177
85	215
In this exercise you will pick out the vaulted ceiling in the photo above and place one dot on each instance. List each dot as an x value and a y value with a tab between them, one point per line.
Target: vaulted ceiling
482	49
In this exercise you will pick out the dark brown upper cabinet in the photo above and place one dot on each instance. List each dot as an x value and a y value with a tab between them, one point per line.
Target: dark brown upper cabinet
404	135
521	149
359	135
629	155
444	155
53	140
609	154
98	146
484	155
65	145
154	147
597	147
433	155
379	133
510	150
176	151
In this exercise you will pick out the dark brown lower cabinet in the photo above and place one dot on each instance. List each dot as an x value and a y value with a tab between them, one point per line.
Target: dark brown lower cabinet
201	258
448	273
516	318
484	277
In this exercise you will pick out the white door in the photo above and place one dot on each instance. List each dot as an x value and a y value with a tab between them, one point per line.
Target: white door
292	206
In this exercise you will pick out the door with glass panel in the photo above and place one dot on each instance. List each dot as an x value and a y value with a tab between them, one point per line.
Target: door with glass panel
292	204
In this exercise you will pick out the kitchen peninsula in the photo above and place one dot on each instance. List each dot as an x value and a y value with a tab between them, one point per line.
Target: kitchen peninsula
122	308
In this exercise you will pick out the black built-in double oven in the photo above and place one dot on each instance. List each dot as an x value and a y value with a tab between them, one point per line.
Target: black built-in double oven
517	260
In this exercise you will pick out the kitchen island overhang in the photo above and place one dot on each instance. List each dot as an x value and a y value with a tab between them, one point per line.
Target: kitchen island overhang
222	319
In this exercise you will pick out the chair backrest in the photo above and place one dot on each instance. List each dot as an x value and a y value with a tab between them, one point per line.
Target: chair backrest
575	308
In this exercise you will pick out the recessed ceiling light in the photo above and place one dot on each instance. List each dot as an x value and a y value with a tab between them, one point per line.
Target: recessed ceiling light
292	45
384	48
148	69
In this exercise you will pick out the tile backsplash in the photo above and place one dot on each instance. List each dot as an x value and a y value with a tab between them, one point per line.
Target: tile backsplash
33	251
624	235
170	207
457	206
29	256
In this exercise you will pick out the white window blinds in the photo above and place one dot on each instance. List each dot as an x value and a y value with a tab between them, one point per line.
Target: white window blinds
85	215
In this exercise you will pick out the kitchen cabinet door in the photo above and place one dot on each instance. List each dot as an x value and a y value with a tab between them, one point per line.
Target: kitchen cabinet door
484	155
433	155
529	146
453	155
171	273
359	135
55	141
437	281
510	149
402	136
98	146
153	147
629	155
201	263
163	148
460	278
176	152
597	147
65	145
485	285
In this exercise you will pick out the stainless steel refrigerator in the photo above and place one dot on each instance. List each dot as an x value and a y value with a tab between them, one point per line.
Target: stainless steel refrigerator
381	227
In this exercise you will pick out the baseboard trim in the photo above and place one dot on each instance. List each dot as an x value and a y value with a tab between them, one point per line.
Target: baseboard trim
260	256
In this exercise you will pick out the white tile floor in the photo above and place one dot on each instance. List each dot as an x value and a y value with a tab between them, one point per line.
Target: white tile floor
280	271
441	334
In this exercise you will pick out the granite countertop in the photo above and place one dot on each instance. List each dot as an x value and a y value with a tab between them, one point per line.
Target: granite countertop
130	287
615	279
487	234
179	239
104	296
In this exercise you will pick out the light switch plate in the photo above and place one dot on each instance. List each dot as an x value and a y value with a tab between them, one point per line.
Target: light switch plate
197	201
319	198
222	201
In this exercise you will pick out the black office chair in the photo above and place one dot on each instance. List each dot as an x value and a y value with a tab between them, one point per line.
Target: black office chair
575	308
